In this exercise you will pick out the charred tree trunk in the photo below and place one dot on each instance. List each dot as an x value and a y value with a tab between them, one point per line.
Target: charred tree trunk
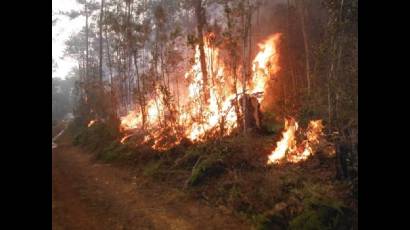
253	114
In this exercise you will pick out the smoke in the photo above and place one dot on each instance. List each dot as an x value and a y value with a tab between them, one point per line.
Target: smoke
215	15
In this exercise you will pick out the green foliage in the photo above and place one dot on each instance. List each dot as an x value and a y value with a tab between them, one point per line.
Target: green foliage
96	137
320	211
320	216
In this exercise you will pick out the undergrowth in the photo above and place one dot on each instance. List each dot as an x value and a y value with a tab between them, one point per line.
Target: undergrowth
232	172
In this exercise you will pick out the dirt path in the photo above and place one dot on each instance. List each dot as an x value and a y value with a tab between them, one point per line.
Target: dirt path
89	195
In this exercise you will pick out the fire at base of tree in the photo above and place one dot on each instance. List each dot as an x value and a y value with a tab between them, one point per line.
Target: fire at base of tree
250	105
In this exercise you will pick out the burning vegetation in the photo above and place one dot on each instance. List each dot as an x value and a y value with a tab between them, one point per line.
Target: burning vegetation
219	115
237	100
199	119
290	150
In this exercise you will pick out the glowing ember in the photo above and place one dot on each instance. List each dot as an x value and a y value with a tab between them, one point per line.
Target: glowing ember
91	123
287	147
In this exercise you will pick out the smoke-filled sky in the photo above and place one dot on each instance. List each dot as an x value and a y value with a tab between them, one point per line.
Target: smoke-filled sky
61	31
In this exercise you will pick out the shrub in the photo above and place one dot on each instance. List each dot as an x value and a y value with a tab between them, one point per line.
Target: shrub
95	138
321	211
207	167
321	215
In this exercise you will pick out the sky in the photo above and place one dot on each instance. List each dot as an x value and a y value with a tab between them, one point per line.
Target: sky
61	31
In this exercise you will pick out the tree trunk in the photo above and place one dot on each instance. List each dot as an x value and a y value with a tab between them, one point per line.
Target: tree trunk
289	55
329	98
342	152
306	44
140	94
86	40
246	20
101	43
335	53
200	15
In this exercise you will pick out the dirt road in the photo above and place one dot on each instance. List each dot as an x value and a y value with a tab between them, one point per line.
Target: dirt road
90	195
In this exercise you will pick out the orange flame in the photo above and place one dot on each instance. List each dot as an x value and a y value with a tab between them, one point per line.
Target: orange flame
287	147
196	119
131	120
286	143
265	63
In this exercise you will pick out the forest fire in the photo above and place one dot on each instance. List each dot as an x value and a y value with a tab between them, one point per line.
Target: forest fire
198	119
223	107
288	149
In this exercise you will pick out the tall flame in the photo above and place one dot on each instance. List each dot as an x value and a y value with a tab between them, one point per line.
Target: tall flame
265	63
196	118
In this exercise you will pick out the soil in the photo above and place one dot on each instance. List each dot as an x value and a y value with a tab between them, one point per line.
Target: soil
92	195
